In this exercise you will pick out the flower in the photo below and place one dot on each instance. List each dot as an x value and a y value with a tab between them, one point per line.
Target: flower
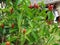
50	7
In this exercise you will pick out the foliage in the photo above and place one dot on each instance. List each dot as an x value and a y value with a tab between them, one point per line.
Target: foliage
25	26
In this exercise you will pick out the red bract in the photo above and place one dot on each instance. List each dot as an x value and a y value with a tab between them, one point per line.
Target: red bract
31	6
49	22
13	25
36	5
50	7
59	19
7	43
11	10
2	25
24	31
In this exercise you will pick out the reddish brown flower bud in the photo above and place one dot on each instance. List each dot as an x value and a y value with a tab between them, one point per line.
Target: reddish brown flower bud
7	43
50	7
2	25
31	6
24	31
13	25
36	5
11	10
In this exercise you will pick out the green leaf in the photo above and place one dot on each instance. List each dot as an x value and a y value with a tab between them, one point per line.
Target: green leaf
30	23
35	36
51	38
28	32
